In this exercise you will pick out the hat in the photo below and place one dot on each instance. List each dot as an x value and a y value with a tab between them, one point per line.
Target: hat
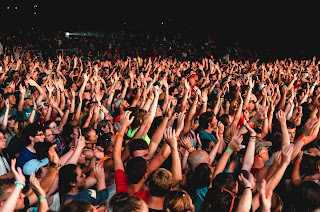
118	103
42	105
28	95
92	196
260	144
261	86
33	165
9	116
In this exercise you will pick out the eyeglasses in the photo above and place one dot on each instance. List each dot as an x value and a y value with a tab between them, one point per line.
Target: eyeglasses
40	134
234	196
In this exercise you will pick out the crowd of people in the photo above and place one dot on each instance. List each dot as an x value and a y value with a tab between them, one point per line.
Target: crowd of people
148	132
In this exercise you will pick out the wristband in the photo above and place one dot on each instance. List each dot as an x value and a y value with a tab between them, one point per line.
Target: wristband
218	103
177	136
87	121
186	155
248	187
249	89
120	135
270	114
191	151
195	103
19	184
303	139
80	103
42	198
296	163
150	98
220	133
229	150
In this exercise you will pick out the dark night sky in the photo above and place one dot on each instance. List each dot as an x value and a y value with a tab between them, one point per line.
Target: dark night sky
280	26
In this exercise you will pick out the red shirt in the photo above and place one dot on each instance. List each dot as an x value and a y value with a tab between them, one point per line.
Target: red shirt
122	185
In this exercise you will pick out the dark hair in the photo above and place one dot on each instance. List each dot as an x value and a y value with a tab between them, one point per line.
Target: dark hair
101	124
309	165
86	131
219	200
205	119
42	149
307	196
123	202
31	130
225	119
137	144
67	174
67	131
199	178
136	169
77	206
291	125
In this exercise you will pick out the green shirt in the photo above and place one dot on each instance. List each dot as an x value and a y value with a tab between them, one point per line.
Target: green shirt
131	133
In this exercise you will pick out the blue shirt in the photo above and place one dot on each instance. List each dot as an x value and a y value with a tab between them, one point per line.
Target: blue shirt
24	157
205	135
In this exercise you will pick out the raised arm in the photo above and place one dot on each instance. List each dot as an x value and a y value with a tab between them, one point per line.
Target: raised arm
249	155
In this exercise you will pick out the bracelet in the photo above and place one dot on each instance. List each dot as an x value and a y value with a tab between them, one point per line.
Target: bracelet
218	103
220	133
303	139
34	108
229	150
195	103
150	98
19	184
270	114
42	198
249	89
296	163
120	135
192	150
177	136
87	121
248	187
186	155
80	103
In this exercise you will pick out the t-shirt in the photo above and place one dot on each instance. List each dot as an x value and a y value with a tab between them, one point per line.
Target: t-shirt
205	135
24	157
122	185
131	133
27	112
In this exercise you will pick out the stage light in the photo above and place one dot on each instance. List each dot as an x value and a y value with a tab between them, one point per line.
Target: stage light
16	8
35	13
35	6
8	8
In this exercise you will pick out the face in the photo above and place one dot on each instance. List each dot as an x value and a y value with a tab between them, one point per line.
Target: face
12	99
82	159
49	135
11	123
141	153
251	105
20	202
36	94
44	110
192	81
39	137
214	122
54	127
2	141
292	134
265	154
80	178
28	102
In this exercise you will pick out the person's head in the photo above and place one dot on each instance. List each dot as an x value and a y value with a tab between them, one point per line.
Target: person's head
11	97
121	104
310	165
49	136
139	148
53	126
90	135
3	141
226	119
200	177
138	114
28	100
6	188
123	202
291	130
222	196
307	197
33	133
276	203
136	170
262	150
78	206
178	201
11	122
207	120
43	108
104	126
207	145
70	176
160	182
197	157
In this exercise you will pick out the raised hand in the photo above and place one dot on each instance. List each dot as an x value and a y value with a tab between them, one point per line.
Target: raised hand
98	152
286	153
125	119
53	156
185	142
35	186
234	144
170	136
18	175
265	198
310	126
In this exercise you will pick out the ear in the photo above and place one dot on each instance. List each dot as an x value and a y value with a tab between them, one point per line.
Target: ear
73	184
145	177
31	138
260	153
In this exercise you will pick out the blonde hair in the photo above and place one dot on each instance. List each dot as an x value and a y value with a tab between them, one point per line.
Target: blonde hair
177	201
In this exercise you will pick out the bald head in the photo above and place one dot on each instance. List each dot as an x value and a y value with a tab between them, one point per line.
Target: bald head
197	157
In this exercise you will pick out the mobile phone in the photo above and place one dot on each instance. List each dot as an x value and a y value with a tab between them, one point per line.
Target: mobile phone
80	134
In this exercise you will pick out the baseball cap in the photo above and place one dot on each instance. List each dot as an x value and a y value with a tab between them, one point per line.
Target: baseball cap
92	196
260	144
28	95
33	165
118	103
261	86
42	105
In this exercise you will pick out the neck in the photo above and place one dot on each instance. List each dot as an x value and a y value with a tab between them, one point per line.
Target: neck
133	188
31	147
74	191
258	163
155	203
209	130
